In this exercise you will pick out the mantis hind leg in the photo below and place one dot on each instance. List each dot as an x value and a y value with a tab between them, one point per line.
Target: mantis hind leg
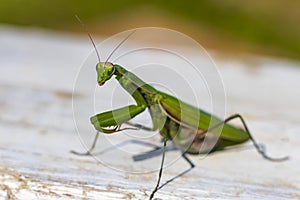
258	147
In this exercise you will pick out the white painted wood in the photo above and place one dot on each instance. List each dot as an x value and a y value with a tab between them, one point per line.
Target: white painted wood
37	131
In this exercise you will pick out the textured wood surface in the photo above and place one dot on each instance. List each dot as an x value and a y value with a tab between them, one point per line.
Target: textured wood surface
37	131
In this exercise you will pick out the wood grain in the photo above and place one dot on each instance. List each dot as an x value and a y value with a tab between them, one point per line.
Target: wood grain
37	131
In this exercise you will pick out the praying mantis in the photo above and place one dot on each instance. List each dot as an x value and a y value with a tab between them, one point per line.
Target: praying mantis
186	125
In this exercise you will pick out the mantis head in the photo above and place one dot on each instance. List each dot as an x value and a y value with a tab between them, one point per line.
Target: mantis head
105	70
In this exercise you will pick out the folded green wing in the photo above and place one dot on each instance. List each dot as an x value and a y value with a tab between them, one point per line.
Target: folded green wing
194	117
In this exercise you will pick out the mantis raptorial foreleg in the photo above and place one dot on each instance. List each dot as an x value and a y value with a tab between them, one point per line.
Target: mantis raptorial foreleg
113	118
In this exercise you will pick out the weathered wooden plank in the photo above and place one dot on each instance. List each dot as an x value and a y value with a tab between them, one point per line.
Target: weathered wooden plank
37	132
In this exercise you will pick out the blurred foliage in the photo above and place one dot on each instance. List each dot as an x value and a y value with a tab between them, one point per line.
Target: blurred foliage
269	27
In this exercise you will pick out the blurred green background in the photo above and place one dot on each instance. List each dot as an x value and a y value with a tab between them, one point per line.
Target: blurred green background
269	27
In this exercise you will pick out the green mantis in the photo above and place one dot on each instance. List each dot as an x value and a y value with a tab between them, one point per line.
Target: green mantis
187	126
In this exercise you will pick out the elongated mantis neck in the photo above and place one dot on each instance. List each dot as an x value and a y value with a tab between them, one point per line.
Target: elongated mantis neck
123	75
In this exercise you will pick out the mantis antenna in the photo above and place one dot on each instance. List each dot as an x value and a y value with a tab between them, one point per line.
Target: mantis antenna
82	24
130	34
